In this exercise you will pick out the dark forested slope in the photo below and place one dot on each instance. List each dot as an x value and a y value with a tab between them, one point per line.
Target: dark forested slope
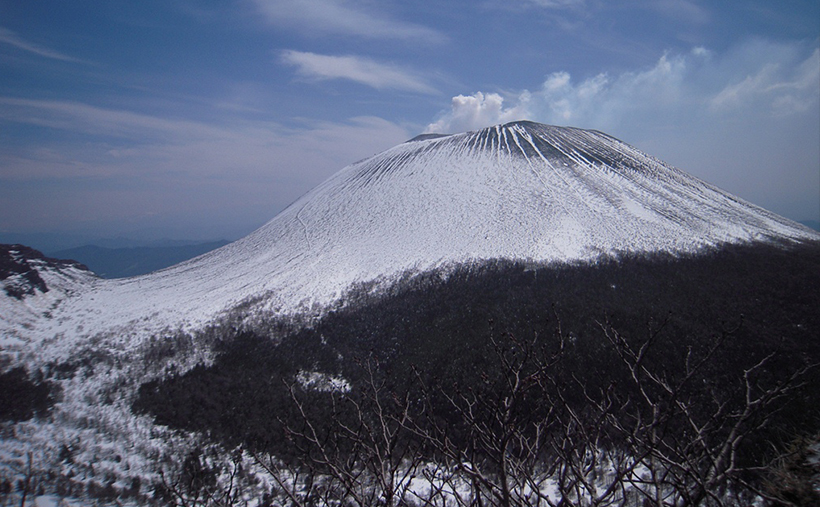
759	302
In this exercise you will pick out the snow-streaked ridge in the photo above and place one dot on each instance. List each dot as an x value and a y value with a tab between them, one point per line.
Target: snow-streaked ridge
517	191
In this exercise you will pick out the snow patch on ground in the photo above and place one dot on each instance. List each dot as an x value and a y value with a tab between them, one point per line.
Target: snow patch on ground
318	381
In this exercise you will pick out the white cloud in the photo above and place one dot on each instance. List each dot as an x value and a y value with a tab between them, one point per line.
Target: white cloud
681	9
355	68
746	119
736	94
553	4
603	100
470	112
9	37
342	17
774	81
787	88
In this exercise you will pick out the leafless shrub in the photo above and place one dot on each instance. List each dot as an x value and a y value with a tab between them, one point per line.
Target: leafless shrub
535	435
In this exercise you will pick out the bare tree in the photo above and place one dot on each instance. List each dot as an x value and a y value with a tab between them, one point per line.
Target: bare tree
690	437
496	451
794	478
25	483
360	453
536	433
204	479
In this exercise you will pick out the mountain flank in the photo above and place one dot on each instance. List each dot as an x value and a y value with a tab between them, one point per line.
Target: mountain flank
133	261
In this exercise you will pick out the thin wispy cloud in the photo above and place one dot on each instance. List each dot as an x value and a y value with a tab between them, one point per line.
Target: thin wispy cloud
553	8
133	164
555	4
681	9
94	120
338	17
226	143
786	89
360	69
11	38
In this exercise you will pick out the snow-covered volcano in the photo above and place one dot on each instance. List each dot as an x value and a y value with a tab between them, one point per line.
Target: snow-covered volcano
517	191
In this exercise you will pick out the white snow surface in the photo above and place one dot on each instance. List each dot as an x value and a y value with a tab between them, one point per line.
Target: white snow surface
518	191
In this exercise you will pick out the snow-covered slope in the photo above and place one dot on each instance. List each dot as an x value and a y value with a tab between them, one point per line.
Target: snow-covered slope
31	287
519	191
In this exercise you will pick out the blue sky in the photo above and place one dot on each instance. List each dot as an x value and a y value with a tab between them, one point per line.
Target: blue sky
203	119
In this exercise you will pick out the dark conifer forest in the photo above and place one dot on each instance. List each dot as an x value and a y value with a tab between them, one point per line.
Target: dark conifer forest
719	328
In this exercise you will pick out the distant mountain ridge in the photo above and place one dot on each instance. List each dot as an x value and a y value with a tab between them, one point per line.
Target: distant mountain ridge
51	242
22	269
125	262
812	224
